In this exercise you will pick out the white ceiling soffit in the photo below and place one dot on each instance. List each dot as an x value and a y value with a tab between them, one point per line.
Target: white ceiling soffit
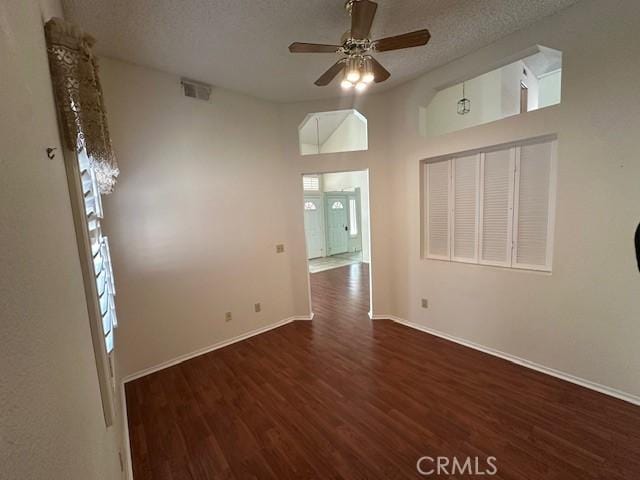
242	44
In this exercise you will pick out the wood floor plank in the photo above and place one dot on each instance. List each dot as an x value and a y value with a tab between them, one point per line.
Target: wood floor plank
342	397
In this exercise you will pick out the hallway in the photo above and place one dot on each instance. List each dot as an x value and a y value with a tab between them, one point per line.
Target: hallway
344	397
322	264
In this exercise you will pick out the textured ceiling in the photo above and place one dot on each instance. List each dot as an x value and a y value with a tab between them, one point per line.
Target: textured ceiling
242	44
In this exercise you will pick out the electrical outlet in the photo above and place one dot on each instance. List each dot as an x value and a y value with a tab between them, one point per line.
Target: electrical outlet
425	303
280	248
228	317
257	307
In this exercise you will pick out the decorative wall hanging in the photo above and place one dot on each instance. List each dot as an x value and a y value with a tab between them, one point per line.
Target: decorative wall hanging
78	95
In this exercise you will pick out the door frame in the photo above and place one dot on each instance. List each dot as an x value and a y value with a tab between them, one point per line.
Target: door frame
370	236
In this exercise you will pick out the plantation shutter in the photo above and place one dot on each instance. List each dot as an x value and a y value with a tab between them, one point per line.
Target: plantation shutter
497	172
465	178
101	256
311	182
533	198
438	174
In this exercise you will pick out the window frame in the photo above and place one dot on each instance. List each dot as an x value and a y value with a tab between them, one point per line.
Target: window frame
514	184
103	359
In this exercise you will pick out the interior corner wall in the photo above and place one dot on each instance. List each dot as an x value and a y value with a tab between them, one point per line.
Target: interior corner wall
583	318
206	192
51	417
196	216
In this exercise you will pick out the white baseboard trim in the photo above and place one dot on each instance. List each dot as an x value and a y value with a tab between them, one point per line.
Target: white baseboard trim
211	348
619	394
303	317
373	316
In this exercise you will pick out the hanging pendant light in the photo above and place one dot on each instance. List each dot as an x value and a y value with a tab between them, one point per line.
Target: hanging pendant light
464	104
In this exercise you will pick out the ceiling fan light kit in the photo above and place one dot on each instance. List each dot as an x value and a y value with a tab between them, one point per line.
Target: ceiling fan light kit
359	68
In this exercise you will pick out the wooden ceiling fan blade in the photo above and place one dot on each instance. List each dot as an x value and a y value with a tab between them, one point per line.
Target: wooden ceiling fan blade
407	40
380	74
362	14
298	47
330	74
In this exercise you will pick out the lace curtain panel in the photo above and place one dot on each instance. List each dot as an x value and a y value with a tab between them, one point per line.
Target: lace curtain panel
78	94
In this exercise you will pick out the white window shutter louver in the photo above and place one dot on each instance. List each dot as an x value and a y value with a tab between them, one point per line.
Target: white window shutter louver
438	180
465	176
497	174
533	199
311	182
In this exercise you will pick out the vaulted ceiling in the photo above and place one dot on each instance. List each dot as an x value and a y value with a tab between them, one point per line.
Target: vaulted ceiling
242	44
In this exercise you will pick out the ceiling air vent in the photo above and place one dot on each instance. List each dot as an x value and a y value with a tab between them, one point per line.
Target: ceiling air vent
194	89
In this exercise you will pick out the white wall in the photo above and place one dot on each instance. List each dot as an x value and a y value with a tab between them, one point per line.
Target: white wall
336	182
52	424
582	319
206	192
439	115
549	87
196	217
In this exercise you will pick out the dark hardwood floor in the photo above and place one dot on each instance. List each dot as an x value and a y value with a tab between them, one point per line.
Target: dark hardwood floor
345	397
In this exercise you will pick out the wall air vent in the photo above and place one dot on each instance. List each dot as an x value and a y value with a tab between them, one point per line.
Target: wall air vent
194	89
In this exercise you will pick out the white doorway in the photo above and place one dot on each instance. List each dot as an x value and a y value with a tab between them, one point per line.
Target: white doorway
336	219
337	230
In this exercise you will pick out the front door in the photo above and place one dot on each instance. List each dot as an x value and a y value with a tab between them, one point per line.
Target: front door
313	230
337	224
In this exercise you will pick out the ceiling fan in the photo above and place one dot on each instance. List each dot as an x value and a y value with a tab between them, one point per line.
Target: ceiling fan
359	67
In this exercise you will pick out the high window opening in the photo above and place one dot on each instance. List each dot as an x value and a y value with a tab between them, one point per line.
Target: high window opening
333	132
528	84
